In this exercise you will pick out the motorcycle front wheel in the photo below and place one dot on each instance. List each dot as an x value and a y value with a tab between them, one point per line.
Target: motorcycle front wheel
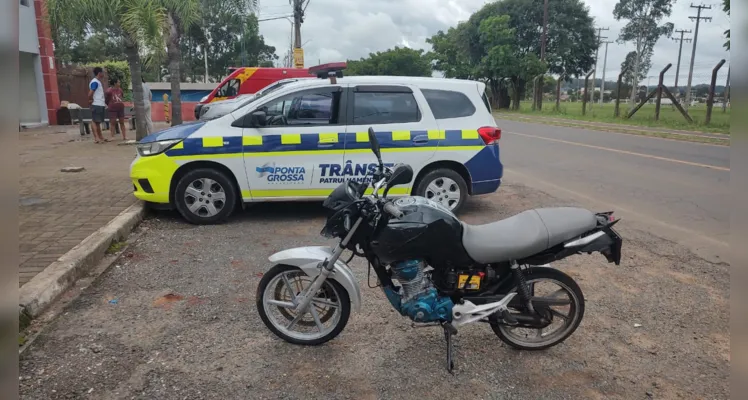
322	321
564	318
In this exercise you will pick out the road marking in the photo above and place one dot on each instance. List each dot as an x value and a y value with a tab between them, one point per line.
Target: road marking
631	153
641	217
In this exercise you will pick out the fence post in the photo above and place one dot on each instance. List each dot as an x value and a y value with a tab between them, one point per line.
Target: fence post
617	111
586	87
558	93
710	99
659	92
167	116
726	94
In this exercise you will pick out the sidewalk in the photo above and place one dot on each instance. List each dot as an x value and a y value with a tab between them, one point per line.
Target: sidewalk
57	210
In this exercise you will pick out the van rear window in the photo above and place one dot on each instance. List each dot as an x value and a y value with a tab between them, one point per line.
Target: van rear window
447	104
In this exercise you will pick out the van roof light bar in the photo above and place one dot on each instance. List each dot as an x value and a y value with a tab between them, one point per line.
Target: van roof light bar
330	70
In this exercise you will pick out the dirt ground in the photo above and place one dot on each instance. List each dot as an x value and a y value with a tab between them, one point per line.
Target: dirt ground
174	318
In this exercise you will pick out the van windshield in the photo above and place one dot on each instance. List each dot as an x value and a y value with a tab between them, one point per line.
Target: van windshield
262	93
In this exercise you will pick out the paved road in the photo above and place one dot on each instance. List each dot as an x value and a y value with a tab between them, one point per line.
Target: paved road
677	189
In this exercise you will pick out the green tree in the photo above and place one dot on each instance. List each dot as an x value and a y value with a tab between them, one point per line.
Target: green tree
726	8
570	44
139	24
75	47
645	63
234	38
448	54
549	84
643	29
399	61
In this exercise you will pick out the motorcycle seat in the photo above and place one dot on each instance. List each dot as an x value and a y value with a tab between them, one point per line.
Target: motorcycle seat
526	233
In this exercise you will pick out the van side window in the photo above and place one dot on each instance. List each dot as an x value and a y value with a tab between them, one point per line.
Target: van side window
230	89
316	107
447	104
371	108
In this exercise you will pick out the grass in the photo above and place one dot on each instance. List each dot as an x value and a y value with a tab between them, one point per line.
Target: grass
115	247
670	118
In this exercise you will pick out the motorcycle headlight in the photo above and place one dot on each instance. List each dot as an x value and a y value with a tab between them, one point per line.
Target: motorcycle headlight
153	148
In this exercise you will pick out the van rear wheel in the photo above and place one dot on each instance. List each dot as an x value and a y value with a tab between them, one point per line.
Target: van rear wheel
444	186
205	196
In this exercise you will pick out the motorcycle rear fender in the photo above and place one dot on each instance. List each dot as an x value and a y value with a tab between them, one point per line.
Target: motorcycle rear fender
309	260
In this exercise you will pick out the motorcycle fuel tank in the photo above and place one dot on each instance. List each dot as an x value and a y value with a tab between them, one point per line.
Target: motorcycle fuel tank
427	231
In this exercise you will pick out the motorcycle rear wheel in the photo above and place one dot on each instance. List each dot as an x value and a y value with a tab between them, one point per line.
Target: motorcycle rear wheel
541	340
326	317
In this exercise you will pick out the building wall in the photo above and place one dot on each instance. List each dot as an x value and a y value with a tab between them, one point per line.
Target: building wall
31	109
28	40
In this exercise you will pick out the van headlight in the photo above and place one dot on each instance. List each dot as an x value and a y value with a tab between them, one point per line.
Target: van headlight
153	148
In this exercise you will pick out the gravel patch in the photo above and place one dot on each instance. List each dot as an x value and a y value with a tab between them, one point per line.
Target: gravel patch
176	319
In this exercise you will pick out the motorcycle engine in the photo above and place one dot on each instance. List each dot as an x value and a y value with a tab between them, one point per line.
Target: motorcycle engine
418	299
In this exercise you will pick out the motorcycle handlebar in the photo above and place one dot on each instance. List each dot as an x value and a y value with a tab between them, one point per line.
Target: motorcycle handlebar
393	210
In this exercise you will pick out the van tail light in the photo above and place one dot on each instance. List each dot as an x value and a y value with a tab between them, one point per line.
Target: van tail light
489	134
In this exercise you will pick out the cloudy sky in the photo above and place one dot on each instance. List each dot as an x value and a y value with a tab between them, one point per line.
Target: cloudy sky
336	30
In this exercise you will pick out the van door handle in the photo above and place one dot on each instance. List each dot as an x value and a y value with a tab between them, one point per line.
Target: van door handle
323	144
421	139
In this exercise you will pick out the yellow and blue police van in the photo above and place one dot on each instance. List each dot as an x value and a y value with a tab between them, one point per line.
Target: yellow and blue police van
301	141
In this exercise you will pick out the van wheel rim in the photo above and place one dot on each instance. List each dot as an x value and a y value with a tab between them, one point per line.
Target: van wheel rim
445	191
205	197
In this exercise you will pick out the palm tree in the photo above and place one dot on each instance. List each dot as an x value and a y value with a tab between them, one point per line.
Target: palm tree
180	14
139	24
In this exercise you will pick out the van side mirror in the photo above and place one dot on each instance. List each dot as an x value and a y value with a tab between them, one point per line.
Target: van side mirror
255	119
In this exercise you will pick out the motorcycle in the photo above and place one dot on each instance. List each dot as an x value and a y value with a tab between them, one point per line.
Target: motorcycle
448	273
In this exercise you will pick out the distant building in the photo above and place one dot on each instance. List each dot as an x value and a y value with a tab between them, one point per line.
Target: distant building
39	96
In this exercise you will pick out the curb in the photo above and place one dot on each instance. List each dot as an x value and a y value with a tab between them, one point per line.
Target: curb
43	289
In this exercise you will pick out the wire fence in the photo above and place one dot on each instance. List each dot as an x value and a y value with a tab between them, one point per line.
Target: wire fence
599	101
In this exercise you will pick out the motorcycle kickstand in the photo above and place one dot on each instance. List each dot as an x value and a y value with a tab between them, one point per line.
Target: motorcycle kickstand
449	331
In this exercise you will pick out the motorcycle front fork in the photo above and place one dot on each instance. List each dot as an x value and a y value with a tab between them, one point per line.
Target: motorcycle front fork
304	299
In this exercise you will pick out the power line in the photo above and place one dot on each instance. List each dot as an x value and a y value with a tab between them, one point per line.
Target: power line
680	51
698	19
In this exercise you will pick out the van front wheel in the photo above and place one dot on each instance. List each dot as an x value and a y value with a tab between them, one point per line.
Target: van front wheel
444	186
205	196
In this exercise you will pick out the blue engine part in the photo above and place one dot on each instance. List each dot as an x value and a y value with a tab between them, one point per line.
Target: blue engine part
428	306
418	301
407	270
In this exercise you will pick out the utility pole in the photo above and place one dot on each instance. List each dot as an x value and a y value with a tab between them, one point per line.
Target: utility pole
543	40
299	7
698	19
594	71
605	64
680	51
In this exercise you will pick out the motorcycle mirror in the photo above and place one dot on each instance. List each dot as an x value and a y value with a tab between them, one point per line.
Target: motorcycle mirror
374	142
401	175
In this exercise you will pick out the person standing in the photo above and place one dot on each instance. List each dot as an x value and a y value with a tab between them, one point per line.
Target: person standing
147	98
97	101
116	107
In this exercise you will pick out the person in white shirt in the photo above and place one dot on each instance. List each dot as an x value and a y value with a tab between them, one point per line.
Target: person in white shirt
147	98
98	103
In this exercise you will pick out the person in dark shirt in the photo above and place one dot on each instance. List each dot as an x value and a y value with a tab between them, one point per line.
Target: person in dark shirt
116	107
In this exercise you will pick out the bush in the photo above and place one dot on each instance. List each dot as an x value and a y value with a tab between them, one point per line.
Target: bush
116	69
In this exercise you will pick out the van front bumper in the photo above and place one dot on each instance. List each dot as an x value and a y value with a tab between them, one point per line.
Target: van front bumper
151	177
